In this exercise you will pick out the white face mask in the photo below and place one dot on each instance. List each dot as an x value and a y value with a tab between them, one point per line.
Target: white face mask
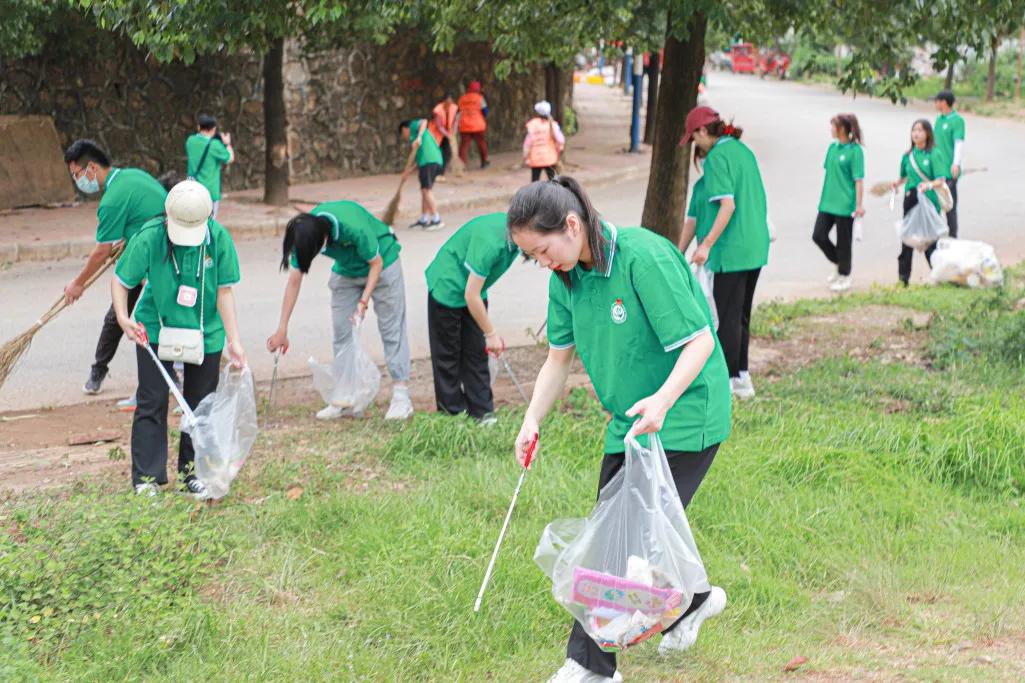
87	186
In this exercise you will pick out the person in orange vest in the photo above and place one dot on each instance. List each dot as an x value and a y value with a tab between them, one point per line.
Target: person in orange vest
442	126
473	112
543	143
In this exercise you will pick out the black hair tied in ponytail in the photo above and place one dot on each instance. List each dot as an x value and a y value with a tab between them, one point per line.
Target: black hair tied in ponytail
306	235
543	206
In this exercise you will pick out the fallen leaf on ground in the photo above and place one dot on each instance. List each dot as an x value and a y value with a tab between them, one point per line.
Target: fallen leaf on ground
795	663
294	492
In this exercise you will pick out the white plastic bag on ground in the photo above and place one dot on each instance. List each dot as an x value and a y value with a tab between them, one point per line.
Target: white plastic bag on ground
706	279
224	430
352	380
965	262
922	225
630	569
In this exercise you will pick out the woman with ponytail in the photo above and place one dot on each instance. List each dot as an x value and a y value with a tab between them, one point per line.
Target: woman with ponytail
737	246
625	300
841	201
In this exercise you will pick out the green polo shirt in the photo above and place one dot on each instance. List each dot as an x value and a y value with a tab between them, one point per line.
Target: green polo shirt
948	129
429	151
146	258
629	325
209	175
701	210
731	170
927	165
357	236
845	164
130	198
480	247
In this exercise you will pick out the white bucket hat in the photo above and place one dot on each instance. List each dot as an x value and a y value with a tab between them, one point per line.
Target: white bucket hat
543	108
188	206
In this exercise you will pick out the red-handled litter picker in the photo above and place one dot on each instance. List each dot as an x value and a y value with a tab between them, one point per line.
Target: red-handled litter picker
505	525
187	415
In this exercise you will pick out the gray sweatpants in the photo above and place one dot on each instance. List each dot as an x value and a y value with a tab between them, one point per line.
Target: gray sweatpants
389	299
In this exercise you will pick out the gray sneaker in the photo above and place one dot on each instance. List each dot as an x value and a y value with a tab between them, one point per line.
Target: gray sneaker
95	381
197	488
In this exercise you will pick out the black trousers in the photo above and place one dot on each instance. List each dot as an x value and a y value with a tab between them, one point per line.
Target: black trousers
734	295
839	253
688	469
907	253
149	426
459	359
952	214
535	173
111	332
446	154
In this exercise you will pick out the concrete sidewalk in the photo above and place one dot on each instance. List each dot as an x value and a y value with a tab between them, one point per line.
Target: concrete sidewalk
596	156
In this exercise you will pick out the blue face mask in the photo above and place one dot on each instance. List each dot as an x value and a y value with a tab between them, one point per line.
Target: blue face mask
87	186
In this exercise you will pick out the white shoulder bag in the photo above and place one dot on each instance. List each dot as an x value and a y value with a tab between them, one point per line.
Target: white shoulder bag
185	344
942	192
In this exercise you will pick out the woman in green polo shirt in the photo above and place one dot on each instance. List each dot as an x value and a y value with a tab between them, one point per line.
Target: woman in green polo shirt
461	333
366	266
841	201
189	264
625	300
918	173
737	246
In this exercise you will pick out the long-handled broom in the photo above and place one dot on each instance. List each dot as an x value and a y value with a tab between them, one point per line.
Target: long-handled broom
388	217
14	349
458	167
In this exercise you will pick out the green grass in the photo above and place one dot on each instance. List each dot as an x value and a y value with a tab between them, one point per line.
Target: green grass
858	535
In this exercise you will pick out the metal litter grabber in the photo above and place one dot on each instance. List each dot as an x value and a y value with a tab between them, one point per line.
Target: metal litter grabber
508	368
505	525
187	415
273	380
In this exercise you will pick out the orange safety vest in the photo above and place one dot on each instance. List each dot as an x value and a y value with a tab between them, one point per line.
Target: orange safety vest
449	117
471	118
544	151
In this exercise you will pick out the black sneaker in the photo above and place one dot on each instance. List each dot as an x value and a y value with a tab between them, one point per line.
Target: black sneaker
197	488
95	381
420	223
485	164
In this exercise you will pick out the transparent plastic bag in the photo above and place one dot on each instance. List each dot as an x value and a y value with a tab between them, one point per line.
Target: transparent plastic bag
965	262
858	230
493	368
352	380
629	570
706	279
922	225
223	430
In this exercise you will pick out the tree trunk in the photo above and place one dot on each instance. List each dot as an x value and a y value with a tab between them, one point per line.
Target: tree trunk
275	126
991	82
649	116
948	82
667	183
553	90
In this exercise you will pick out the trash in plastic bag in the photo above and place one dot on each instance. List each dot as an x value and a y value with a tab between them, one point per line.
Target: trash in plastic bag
966	262
352	380
630	569
706	279
223	429
922	225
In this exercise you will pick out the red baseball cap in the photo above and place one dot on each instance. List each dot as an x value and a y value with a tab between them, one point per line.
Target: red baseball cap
697	117
473	87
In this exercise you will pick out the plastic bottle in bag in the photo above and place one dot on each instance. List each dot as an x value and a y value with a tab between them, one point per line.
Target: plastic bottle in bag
922	225
352	380
630	569
223	430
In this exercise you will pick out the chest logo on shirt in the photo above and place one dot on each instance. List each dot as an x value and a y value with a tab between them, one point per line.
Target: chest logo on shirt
208	262
843	158
618	312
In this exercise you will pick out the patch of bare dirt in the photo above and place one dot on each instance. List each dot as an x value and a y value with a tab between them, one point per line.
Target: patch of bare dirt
889	334
54	447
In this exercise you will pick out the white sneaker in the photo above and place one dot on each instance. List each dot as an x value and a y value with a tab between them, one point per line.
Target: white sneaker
833	277
147	489
841	284
572	672
686	632
330	412
400	408
742	388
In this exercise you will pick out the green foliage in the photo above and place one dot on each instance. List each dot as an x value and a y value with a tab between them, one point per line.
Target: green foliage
66	569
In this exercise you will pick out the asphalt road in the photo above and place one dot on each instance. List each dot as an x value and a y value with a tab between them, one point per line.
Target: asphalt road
786	124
